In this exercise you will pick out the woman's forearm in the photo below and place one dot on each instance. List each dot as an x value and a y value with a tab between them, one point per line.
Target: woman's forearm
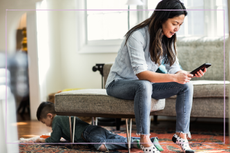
156	77
179	77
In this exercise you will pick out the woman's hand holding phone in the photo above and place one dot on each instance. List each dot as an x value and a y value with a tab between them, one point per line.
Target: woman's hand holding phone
200	73
183	77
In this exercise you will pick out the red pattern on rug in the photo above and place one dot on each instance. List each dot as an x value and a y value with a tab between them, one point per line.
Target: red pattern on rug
199	143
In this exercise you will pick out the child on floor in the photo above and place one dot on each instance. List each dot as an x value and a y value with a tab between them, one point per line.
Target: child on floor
99	137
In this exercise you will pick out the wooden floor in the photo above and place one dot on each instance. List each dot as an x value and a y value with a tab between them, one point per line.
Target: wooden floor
28	128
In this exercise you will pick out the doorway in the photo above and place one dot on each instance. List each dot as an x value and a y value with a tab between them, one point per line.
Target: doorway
18	66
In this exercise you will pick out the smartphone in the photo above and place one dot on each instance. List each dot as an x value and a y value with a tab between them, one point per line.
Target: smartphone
202	67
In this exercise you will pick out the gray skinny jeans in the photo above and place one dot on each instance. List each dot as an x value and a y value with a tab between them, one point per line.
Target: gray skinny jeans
141	91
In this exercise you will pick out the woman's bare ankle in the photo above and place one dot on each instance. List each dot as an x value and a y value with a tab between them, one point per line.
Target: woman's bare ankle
182	135
145	141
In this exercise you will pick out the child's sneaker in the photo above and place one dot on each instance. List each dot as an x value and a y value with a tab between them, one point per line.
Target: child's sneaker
156	143
183	143
136	143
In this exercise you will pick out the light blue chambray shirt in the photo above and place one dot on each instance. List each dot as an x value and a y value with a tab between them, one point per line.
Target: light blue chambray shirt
134	57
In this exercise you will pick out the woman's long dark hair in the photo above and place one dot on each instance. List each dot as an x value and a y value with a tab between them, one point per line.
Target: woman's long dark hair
160	44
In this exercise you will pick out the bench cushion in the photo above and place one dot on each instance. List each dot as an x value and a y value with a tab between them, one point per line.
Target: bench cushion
96	102
210	89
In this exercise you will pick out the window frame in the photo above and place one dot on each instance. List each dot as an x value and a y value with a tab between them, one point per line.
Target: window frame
99	46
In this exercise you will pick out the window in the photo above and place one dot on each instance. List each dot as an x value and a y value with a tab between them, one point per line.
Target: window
109	20
105	24
222	4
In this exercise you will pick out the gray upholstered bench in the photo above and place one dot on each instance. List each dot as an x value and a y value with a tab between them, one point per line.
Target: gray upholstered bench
96	103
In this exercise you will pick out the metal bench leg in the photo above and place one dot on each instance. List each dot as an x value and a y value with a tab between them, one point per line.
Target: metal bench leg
70	128
94	120
128	132
74	122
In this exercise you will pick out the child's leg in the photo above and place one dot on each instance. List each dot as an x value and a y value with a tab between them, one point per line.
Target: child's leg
100	138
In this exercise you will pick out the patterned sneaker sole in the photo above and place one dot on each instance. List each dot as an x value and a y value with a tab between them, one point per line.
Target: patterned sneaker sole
151	149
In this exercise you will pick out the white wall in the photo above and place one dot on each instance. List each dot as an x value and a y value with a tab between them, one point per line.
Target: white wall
73	68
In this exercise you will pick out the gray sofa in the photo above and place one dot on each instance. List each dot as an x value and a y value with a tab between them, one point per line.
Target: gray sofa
211	91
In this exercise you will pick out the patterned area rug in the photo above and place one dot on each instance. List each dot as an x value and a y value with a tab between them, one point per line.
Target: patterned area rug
203	141
200	143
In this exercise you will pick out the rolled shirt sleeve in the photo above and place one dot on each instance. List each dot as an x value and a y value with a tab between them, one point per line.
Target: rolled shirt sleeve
135	47
174	68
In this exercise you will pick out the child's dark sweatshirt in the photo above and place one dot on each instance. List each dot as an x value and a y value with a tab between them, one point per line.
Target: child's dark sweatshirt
60	128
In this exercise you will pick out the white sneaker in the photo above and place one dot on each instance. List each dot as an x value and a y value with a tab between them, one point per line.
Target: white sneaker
183	143
151	149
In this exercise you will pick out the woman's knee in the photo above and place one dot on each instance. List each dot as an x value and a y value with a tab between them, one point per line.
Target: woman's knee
145	86
186	88
189	86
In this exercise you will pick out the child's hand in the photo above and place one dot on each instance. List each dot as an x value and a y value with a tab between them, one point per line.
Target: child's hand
40	140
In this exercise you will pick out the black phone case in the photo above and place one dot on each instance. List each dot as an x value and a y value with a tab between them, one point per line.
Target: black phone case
202	67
